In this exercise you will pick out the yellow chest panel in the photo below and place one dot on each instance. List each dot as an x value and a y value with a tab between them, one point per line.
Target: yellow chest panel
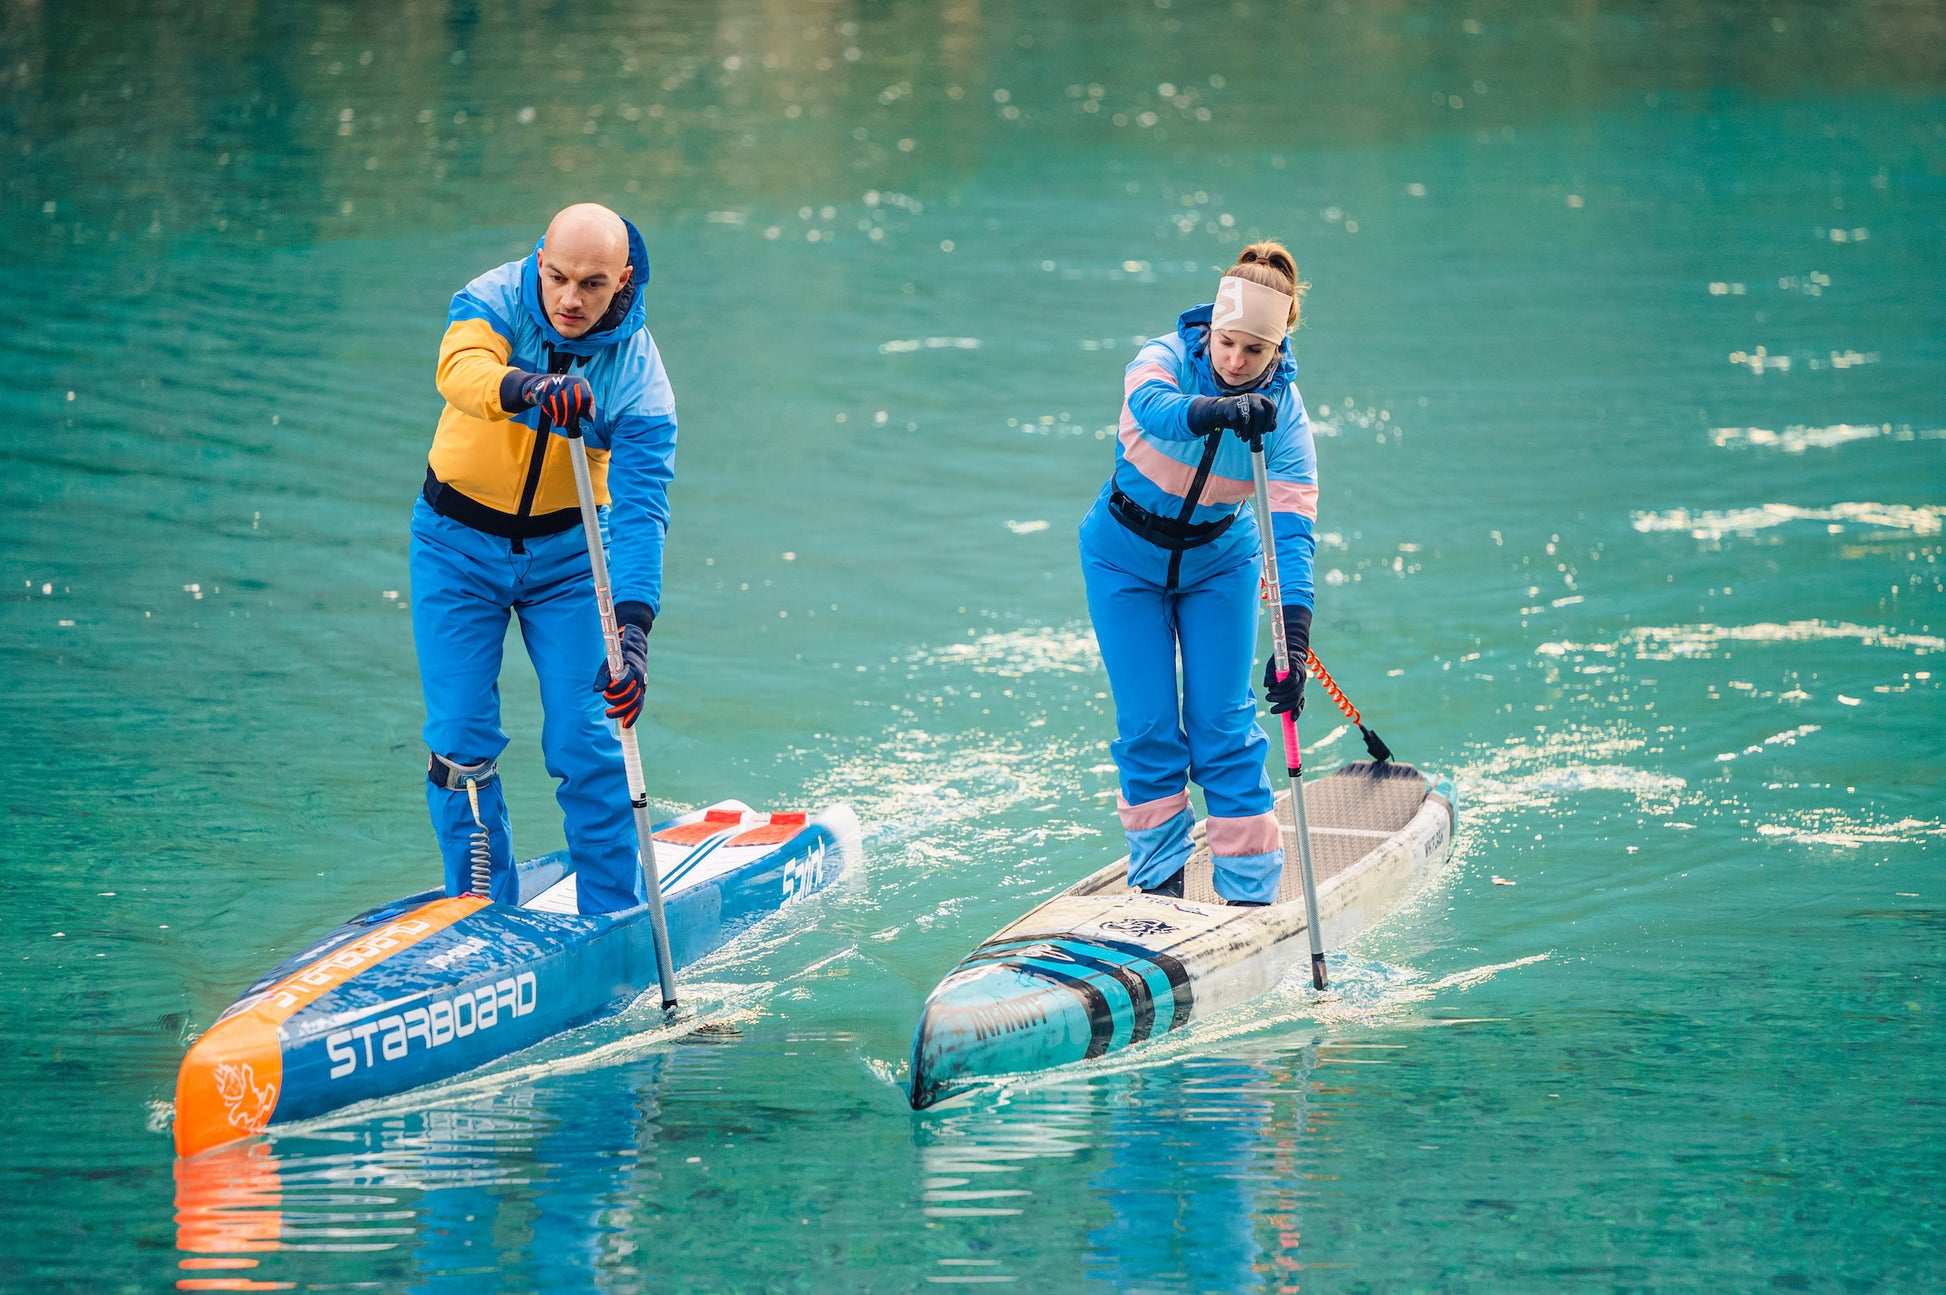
489	459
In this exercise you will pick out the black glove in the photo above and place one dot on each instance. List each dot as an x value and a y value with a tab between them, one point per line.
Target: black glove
624	695
564	397
1252	416
1288	694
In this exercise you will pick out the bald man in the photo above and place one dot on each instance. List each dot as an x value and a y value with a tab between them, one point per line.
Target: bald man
557	336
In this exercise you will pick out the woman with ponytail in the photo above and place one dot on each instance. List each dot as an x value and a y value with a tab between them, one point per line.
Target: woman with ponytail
1172	561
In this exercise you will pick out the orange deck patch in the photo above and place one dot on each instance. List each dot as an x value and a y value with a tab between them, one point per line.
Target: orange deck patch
780	828
712	822
229	1083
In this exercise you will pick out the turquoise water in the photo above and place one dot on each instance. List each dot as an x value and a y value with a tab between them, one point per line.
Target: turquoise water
1626	349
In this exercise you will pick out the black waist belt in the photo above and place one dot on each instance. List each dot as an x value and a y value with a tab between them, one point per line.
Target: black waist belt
468	511
1165	532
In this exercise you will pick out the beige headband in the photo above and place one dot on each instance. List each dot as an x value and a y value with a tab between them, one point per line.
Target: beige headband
1246	307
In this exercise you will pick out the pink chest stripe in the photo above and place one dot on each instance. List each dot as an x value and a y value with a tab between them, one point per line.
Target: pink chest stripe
1294	497
1177	477
1173	475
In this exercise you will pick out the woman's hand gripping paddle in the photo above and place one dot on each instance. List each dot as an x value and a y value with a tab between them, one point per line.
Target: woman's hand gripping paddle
1293	757
638	795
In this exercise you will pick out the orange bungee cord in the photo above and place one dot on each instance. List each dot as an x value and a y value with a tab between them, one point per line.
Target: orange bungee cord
1314	668
1374	744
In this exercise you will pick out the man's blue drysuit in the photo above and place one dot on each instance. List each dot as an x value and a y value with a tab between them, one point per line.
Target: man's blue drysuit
497	531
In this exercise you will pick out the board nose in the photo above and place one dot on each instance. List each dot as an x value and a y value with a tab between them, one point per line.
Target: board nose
998	1019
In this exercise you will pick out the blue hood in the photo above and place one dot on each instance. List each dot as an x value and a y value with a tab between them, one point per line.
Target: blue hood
626	313
1193	327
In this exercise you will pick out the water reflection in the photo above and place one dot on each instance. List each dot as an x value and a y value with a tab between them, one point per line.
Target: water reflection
1174	1178
504	1184
228	1214
1182	1190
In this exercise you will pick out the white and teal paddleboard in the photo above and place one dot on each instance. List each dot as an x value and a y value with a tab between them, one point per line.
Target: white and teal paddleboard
1101	967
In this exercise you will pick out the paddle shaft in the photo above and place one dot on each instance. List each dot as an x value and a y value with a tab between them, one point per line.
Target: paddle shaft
1293	757
611	637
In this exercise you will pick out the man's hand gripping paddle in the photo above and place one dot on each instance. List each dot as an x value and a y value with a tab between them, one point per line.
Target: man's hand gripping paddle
1293	757
631	754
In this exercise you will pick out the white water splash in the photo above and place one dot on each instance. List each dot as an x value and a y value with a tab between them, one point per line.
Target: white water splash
1714	525
1797	439
1392	992
1836	828
1699	642
1543	789
1325	741
916	785
1787	738
902	345
1012	654
1521	776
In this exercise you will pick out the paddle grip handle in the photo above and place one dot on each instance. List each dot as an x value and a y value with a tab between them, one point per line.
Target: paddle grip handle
1293	758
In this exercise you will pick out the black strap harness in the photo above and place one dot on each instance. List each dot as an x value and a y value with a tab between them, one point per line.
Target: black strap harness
1165	532
523	524
468	511
1176	534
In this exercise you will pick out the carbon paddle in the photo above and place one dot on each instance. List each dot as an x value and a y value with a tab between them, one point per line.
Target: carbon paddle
1293	757
638	796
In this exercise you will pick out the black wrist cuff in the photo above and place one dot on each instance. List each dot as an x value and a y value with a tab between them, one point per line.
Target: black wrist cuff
513	387
1202	415
1297	633
634	613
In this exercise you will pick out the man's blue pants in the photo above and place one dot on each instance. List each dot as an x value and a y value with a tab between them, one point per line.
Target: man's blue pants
1201	724
465	584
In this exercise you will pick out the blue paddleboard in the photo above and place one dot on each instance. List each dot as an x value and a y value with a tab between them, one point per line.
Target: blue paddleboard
431	986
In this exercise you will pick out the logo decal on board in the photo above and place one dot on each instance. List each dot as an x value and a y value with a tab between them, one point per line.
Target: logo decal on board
436	1024
247	1105
990	1020
802	876
1137	926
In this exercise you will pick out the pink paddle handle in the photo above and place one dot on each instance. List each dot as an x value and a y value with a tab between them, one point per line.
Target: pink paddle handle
1293	758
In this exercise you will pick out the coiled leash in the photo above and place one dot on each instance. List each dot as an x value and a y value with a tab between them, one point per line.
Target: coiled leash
470	778
1314	668
1374	744
479	853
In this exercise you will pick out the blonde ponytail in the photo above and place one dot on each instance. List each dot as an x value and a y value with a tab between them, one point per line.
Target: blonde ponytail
1271	264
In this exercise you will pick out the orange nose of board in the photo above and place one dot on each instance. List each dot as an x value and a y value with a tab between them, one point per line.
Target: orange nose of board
229	1083
751	827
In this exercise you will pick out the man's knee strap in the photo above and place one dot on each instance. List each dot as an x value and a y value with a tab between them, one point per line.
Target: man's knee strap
454	776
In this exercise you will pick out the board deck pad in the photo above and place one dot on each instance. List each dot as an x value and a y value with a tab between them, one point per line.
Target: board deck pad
711	823
1349	812
690	854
